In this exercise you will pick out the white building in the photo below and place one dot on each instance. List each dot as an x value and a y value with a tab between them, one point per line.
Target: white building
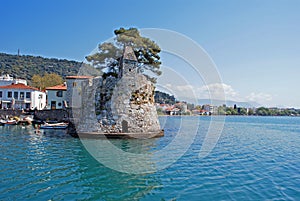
210	109
7	80
21	96
57	97
182	106
74	90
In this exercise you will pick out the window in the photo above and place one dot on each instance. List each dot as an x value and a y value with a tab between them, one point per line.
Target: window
27	94
22	95
16	95
9	94
74	84
0	94
59	93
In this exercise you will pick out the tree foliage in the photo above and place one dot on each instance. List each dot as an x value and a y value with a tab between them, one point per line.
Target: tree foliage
164	98
48	80
109	53
25	66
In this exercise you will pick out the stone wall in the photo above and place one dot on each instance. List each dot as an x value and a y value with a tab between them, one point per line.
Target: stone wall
9	112
117	105
133	105
52	115
121	104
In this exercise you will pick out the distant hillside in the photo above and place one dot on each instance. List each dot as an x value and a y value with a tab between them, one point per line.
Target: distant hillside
164	98
229	103
25	66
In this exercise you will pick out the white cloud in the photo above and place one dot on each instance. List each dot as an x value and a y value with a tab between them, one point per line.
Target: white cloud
218	91
262	98
183	88
212	91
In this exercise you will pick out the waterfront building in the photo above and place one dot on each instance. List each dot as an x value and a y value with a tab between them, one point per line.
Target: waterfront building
8	80
57	97
182	106
74	91
196	112
211	109
21	96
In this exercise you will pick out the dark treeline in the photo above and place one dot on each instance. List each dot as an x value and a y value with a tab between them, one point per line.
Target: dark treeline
263	111
164	98
25	66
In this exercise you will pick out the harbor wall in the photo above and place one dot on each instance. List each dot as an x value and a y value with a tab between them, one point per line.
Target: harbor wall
4	113
52	115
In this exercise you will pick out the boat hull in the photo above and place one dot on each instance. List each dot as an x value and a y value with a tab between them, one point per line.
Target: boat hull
53	127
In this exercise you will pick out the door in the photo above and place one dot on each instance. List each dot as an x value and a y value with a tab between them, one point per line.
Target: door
53	105
124	126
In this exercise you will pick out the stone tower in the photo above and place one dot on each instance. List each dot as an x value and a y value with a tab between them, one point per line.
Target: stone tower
126	103
129	63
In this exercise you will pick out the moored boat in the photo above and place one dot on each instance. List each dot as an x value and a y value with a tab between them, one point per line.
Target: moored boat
2	122
25	121
61	125
11	122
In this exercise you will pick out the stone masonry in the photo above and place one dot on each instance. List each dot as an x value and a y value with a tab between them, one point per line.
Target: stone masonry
118	104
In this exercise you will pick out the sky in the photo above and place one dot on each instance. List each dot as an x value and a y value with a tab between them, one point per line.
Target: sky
255	44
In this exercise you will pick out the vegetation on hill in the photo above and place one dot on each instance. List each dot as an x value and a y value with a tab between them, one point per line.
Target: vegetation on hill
164	98
26	66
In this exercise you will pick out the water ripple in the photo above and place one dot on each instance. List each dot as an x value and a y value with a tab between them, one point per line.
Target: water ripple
255	159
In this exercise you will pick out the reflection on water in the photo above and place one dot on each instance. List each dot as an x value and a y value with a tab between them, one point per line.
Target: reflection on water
129	156
50	165
256	158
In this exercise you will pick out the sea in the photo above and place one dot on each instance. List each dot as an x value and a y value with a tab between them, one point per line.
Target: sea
246	158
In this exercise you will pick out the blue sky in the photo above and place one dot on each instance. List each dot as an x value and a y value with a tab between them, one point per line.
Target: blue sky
255	44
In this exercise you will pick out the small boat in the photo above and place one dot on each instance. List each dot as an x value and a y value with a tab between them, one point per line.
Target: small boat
11	122
25	121
2	122
61	125
37	122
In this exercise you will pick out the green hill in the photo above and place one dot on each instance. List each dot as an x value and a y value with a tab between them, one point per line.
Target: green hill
164	98
26	66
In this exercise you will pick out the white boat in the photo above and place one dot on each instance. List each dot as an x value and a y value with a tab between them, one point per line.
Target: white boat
54	125
2	122
11	122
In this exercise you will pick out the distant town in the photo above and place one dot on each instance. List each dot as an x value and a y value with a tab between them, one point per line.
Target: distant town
16	94
167	105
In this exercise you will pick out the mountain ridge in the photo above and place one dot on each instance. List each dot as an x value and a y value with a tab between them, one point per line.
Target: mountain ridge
25	66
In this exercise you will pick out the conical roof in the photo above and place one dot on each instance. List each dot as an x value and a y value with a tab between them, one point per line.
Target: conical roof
129	54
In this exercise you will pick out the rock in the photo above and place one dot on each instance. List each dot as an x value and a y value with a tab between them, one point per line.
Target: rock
114	100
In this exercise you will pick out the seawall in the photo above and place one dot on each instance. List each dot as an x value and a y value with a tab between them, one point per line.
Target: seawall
52	115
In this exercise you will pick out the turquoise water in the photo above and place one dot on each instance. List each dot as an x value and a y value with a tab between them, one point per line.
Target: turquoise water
256	158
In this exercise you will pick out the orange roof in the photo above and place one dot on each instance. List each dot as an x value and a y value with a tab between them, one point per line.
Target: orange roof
79	77
18	86
58	87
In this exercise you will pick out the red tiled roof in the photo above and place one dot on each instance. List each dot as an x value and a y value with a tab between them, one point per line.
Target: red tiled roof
18	86
79	77
58	87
